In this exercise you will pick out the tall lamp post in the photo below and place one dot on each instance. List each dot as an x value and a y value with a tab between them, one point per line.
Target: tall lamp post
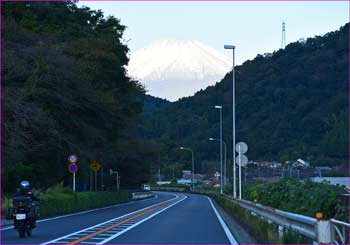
189	149
233	118
212	139
220	108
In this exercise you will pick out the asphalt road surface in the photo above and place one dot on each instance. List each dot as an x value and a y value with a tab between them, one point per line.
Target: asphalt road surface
165	218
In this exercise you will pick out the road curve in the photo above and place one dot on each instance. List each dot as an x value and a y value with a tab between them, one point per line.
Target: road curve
167	218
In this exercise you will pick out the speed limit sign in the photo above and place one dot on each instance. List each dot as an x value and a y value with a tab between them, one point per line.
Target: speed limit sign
72	158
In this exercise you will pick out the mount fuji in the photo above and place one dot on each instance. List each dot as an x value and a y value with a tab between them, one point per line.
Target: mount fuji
176	68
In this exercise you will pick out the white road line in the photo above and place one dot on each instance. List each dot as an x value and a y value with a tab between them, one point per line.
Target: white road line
84	212
140	222
111	220
224	226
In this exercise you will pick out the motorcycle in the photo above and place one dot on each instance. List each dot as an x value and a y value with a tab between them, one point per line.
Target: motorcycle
25	213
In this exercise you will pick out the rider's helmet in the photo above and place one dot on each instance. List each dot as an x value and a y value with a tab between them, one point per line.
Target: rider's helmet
25	184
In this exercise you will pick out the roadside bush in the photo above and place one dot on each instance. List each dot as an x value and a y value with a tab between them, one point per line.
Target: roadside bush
59	199
168	187
303	197
56	203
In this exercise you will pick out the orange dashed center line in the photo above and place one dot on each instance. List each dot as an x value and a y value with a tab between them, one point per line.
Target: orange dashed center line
84	238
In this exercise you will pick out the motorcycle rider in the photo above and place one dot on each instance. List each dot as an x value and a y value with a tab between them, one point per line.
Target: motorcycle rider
26	191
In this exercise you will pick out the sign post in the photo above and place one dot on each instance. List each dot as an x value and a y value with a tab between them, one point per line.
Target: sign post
95	166
72	168
242	160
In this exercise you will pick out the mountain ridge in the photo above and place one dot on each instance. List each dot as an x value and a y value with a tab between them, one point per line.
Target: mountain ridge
175	68
290	104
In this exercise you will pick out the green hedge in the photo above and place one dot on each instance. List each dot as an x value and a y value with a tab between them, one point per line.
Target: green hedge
58	200
69	202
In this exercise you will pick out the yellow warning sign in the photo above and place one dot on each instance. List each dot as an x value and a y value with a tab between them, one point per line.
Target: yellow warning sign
95	166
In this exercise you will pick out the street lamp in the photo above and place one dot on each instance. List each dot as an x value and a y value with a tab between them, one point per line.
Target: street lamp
189	149
212	139
233	118
220	108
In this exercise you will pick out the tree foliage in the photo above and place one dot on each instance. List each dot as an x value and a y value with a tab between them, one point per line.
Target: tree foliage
65	90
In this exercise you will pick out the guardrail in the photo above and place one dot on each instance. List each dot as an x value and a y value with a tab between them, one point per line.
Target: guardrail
141	195
320	231
340	235
153	188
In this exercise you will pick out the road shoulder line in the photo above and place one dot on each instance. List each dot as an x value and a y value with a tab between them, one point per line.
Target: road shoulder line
223	224
240	233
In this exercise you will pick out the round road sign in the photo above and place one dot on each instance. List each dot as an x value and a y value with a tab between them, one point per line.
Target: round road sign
72	168
241	147
242	160
72	158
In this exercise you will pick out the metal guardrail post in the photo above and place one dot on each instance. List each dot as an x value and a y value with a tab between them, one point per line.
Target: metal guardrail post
280	231
340	236
323	231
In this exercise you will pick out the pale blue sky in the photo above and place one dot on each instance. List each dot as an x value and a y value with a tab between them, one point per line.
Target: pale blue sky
254	27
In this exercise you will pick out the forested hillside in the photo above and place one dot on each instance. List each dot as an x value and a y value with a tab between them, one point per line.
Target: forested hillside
65	90
152	104
290	104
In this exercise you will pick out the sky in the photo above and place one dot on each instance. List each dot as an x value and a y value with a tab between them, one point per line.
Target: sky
253	27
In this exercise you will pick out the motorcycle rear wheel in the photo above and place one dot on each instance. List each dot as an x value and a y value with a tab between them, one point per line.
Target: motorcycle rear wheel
22	228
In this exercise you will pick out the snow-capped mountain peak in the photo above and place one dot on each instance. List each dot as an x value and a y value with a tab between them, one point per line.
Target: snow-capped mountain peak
175	68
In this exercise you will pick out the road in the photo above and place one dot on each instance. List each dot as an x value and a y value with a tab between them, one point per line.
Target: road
166	218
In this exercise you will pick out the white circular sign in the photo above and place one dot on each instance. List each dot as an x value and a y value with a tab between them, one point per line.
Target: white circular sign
72	158
242	160
241	147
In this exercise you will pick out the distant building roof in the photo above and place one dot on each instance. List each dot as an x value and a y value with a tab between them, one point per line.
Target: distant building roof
303	162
